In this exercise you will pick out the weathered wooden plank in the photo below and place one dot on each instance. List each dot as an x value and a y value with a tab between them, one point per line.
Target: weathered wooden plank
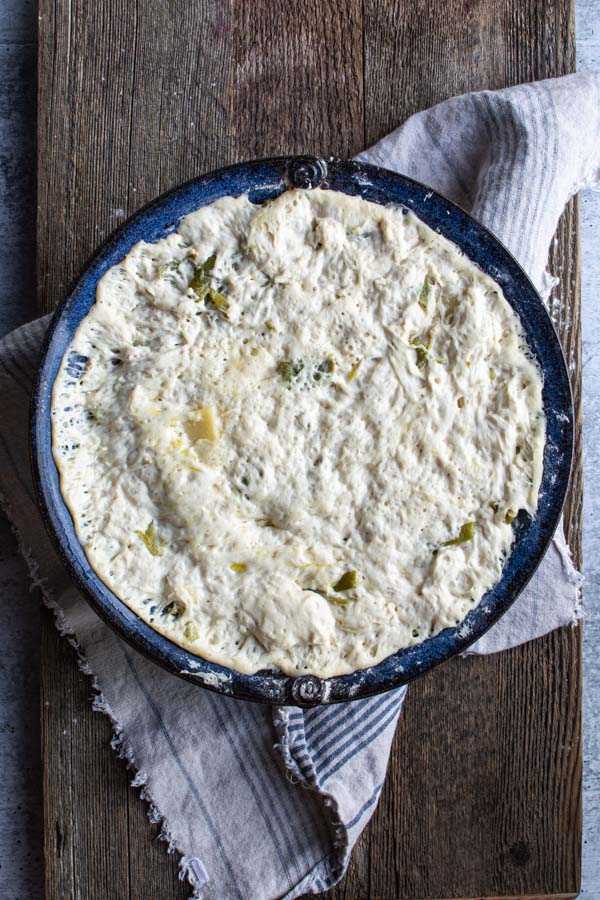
297	78
79	773
483	791
134	100
107	143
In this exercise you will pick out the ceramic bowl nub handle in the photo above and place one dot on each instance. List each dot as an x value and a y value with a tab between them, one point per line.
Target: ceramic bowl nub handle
306	172
307	690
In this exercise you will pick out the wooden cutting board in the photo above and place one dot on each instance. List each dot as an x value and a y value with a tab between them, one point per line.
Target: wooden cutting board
483	797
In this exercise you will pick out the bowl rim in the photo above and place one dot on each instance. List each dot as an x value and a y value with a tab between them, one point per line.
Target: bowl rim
263	179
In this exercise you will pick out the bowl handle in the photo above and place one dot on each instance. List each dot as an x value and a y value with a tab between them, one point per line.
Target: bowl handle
306	172
307	690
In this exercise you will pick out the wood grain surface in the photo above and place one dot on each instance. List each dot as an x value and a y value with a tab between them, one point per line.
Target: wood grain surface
483	796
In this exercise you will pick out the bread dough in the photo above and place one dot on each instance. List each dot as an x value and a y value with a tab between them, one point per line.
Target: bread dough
295	435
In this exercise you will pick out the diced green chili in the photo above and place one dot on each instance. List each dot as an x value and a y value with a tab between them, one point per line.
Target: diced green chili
191	632
346	582
289	369
207	266
422	357
510	516
150	539
354	370
214	298
327	367
467	533
200	283
239	567
174	608
201	286
425	293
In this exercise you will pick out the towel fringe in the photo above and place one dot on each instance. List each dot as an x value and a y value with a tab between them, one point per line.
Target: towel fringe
119	741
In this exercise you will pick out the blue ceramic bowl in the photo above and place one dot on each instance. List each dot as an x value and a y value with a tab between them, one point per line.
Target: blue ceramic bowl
263	180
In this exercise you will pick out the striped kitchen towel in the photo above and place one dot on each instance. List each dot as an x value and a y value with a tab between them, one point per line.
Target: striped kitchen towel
261	803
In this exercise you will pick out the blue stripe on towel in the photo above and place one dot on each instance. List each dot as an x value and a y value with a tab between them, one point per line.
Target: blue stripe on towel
366	806
354	750
297	815
537	187
514	189
372	727
256	785
354	727
449	163
551	169
189	781
506	137
484	192
346	712
329	722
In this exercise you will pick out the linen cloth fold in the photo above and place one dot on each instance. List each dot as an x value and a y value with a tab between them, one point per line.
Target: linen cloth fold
261	803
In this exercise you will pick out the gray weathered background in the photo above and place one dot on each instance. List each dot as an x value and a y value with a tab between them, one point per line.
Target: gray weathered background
20	826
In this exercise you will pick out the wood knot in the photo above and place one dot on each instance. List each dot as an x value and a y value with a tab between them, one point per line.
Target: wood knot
520	854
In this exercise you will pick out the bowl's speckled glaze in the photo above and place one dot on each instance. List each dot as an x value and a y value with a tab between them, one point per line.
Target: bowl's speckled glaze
262	180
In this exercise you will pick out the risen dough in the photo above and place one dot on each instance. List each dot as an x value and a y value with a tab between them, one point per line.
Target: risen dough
295	435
